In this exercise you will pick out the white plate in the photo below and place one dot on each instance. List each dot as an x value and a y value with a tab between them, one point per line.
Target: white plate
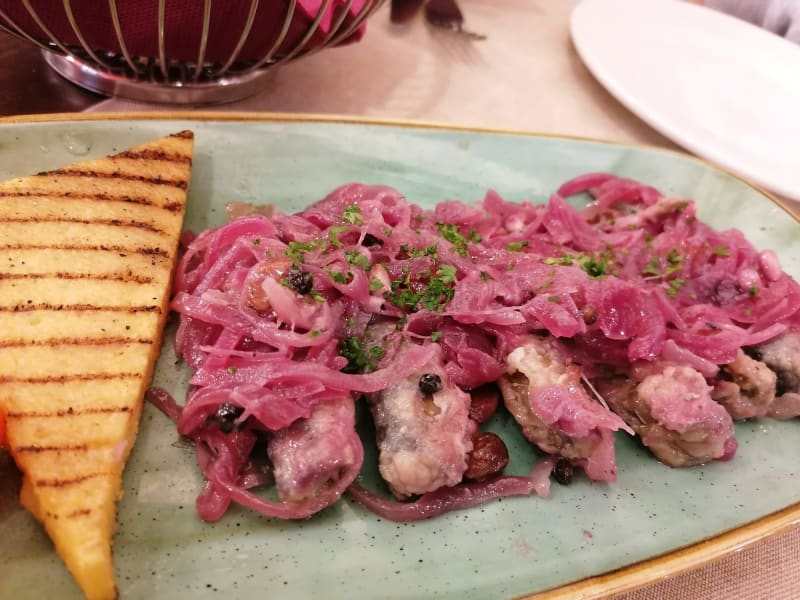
718	86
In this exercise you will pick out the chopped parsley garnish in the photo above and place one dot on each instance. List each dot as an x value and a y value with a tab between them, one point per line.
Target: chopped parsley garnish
352	215
338	276
675	261
595	268
359	358
474	236
314	333
429	292
652	268
674	287
451	233
256	241
722	251
296	250
440	289
356	259
595	265
446	273
402	296
753	291
375	284
436	336
431	251
232	370
333	236
555	299
485	276
516	246
560	260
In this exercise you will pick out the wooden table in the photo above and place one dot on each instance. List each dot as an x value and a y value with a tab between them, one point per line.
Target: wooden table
29	86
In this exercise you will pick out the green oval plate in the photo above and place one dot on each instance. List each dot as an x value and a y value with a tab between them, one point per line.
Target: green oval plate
504	549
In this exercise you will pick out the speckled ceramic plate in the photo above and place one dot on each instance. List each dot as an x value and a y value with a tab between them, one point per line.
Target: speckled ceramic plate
517	546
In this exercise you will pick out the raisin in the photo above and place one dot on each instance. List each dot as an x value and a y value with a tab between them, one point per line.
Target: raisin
301	282
563	471
371	240
483	403
255	296
489	456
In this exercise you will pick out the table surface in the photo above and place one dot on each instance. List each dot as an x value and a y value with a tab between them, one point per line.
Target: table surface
524	76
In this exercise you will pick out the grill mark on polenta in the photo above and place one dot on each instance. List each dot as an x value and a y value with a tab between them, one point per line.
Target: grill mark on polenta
153	154
29	307
68	412
172	207
111	222
123	277
67	378
174	183
75	341
35	449
66	482
78	512
121	250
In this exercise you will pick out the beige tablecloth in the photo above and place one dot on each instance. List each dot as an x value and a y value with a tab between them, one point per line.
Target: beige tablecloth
525	75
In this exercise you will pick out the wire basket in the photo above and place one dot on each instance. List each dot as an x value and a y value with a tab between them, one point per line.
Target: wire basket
181	52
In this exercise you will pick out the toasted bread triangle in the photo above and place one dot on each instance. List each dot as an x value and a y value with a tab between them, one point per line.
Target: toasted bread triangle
86	260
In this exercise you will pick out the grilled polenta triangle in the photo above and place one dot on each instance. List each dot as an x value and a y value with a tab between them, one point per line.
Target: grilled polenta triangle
86	259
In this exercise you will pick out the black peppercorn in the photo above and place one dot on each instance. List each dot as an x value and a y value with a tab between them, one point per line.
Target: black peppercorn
301	282
226	414
562	472
430	383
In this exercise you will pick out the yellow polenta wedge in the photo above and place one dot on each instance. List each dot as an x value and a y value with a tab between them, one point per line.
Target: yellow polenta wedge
86	259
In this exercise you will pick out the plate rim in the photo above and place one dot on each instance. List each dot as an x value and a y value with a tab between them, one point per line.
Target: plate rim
624	579
253	116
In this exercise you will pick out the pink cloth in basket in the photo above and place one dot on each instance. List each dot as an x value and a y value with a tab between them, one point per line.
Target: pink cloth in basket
183	26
